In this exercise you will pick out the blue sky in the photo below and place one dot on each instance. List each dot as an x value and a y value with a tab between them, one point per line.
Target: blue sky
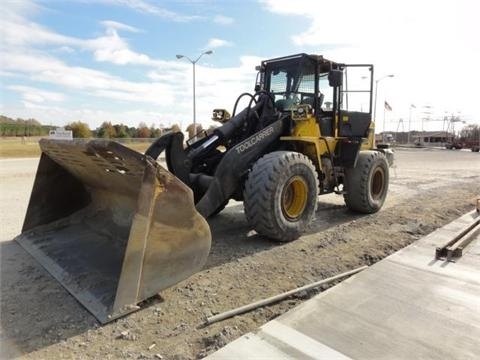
114	60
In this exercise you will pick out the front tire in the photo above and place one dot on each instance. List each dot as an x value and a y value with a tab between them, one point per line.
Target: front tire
366	185
280	195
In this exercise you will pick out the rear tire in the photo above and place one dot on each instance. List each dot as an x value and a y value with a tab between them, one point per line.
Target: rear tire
280	195
366	185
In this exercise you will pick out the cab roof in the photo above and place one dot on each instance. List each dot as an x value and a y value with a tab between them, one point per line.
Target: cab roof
323	63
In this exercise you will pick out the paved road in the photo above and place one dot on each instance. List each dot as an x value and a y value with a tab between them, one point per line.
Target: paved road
415	170
16	180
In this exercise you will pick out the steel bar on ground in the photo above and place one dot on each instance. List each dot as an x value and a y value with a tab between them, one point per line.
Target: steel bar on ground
273	299
442	251
456	250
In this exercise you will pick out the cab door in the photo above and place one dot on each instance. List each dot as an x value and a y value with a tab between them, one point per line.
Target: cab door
355	110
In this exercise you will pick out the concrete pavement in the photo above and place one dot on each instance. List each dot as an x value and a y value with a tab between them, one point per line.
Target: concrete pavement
407	306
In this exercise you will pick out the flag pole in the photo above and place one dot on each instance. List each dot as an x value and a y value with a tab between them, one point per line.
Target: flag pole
384	108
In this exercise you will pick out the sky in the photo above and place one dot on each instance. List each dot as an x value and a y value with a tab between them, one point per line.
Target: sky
115	60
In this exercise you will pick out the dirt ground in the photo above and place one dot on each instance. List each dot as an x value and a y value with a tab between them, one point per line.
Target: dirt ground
40	320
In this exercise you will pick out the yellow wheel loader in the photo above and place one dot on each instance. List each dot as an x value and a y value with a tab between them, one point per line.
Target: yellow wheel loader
115	228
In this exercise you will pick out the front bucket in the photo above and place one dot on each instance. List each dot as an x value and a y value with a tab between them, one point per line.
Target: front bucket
111	225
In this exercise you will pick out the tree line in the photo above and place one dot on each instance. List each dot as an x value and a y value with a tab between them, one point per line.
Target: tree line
112	131
32	127
107	130
470	133
21	127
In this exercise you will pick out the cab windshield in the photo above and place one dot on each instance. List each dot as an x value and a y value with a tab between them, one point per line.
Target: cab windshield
294	83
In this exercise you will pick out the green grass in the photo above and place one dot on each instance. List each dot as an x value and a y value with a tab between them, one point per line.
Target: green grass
140	147
15	148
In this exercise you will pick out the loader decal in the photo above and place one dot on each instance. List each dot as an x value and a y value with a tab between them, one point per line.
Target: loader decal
247	144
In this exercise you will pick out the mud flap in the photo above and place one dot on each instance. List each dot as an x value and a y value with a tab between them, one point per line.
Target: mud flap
111	225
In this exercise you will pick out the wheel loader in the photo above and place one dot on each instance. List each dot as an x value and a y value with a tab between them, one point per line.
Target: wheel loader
115	228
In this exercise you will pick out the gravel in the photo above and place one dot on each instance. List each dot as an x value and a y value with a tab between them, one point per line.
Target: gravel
40	320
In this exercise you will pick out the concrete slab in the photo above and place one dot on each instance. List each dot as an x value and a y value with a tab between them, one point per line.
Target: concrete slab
408	305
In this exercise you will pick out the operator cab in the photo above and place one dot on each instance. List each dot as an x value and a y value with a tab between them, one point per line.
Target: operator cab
332	90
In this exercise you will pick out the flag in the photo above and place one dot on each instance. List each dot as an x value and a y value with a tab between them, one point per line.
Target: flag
387	106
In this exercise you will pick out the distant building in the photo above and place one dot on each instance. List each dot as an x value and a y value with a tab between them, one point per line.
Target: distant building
61	134
423	138
431	138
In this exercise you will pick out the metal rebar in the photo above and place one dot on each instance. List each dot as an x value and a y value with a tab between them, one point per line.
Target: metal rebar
273	299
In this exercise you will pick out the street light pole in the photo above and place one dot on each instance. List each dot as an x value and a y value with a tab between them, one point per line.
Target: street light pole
193	62
409	122
194	100
376	92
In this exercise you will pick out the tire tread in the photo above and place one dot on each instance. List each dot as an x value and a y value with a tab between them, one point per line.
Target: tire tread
261	184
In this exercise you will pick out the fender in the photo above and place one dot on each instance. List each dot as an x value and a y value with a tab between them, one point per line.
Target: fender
237	161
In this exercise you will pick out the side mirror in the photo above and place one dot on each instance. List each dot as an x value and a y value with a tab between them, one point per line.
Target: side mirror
335	78
220	115
259	81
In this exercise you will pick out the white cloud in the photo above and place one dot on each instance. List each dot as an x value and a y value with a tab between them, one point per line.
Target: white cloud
424	43
148	8
223	20
163	76
47	69
217	43
170	93
7	74
110	24
36	95
112	48
166	96
17	31
13	8
65	49
285	7
171	88
219	87
34	105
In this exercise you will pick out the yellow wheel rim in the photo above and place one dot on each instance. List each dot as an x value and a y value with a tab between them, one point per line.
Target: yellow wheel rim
378	183
294	197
